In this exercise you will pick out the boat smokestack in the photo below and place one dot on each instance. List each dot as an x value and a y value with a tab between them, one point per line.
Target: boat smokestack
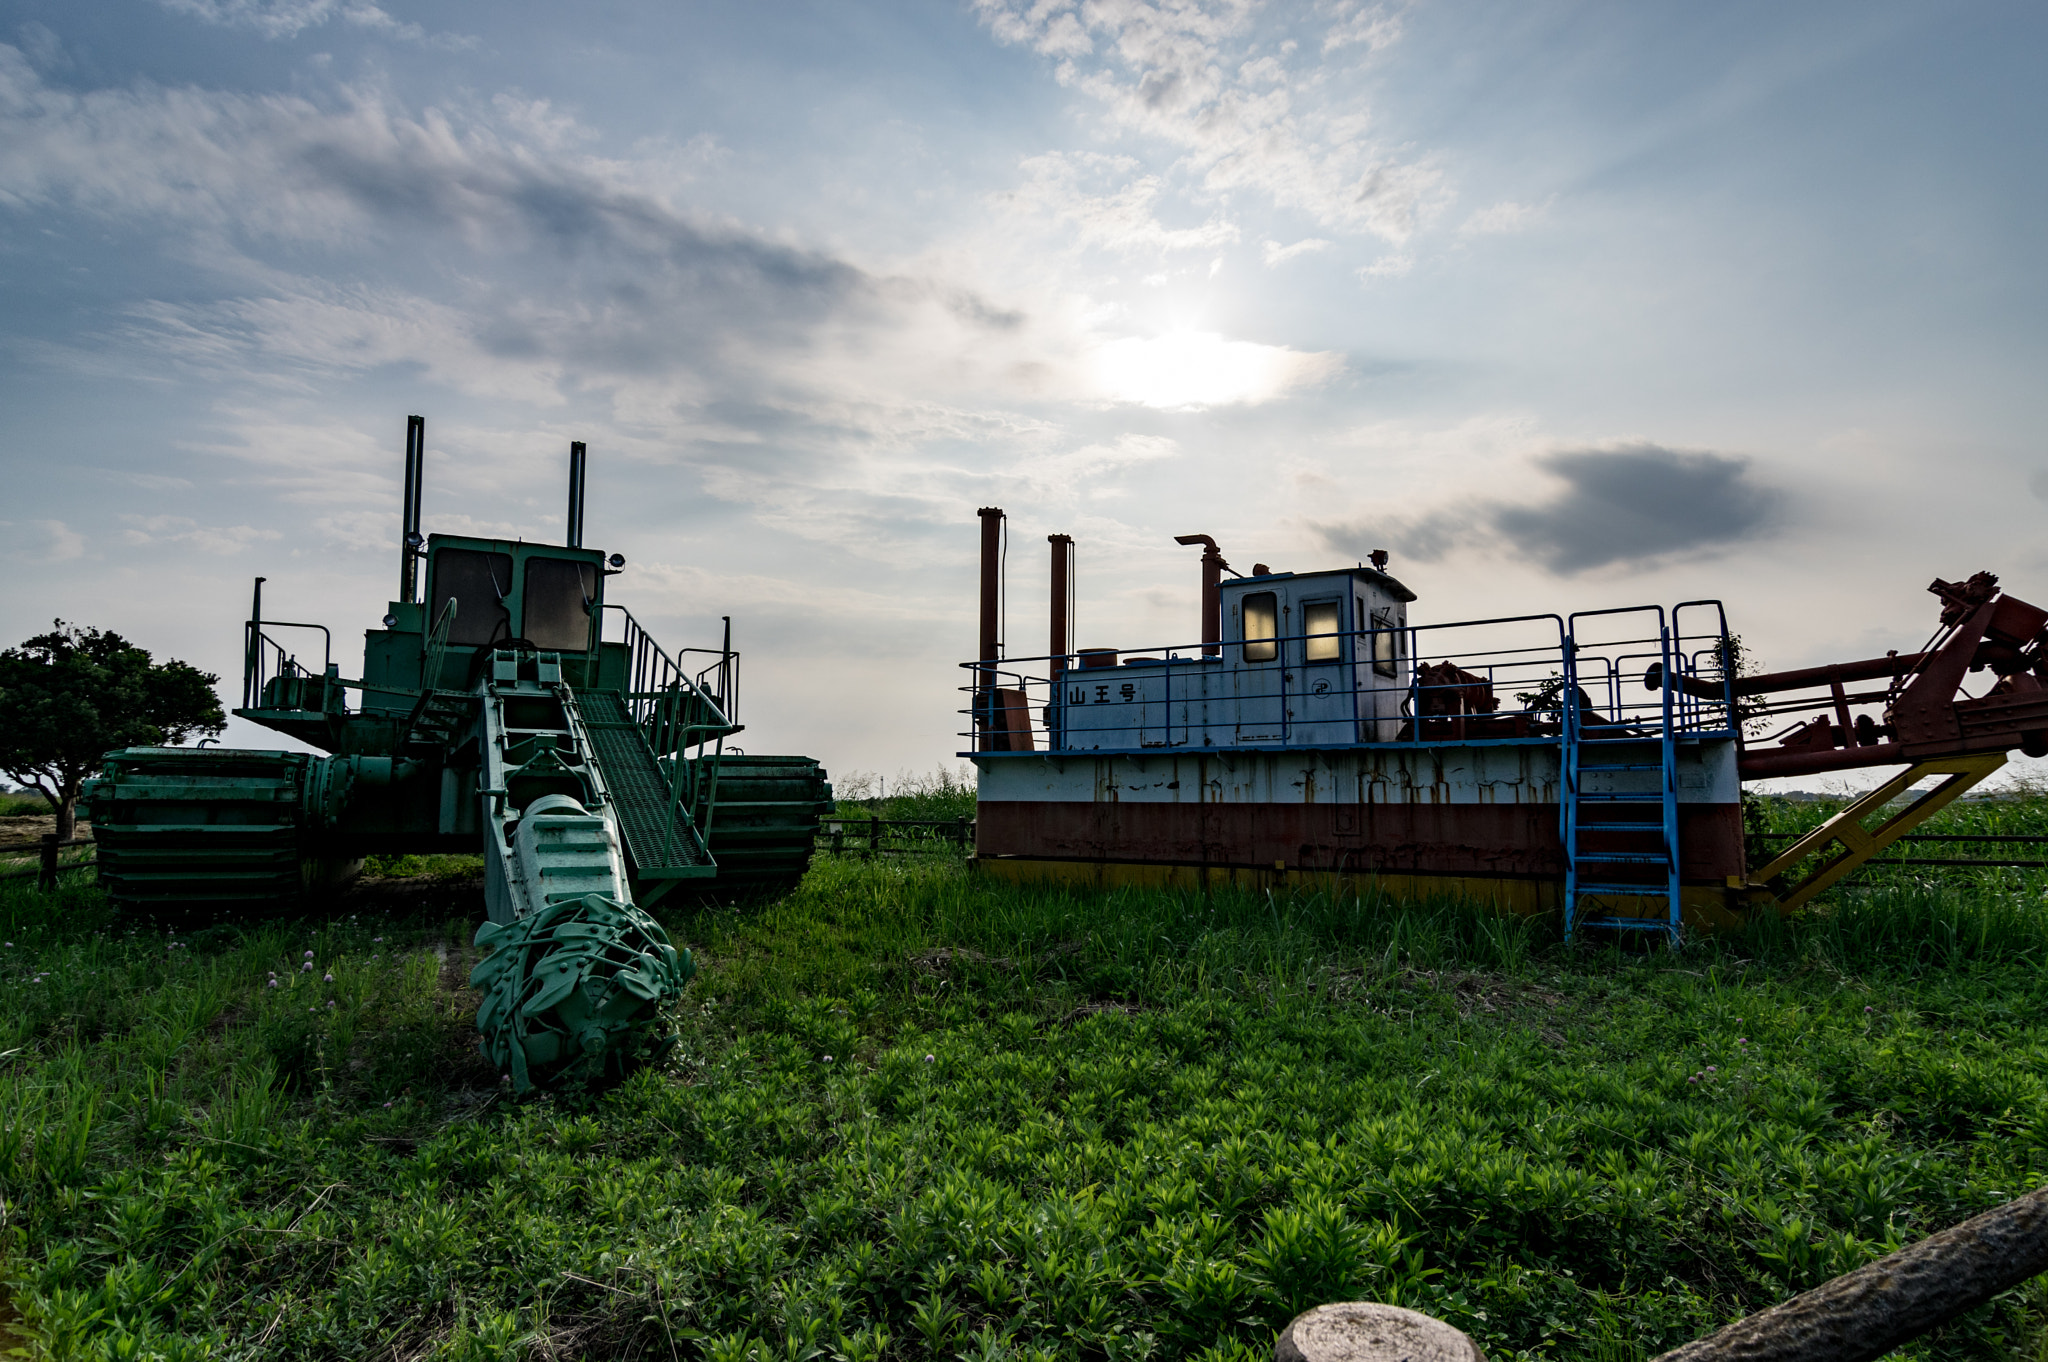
1213	568
1062	598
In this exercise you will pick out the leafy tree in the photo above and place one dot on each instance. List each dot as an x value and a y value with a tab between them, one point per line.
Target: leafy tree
72	695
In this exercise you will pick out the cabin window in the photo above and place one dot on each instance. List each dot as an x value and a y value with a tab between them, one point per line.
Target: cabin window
1261	627
1385	644
1320	621
476	583
555	612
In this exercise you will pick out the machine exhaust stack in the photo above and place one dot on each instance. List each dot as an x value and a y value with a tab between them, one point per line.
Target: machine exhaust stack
1062	599
575	539
991	610
1213	568
409	541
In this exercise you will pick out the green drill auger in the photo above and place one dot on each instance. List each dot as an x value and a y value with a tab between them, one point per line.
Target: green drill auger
574	992
511	710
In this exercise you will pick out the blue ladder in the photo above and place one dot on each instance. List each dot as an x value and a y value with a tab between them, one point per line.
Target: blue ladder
1639	857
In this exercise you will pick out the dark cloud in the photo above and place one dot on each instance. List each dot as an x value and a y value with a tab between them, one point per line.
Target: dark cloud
1637	503
1634	504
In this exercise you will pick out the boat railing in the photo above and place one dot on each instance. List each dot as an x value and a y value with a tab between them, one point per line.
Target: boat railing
1488	680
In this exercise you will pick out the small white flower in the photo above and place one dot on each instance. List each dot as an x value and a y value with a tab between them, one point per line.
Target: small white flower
927	1059
326	978
272	983
306	968
309	955
828	1059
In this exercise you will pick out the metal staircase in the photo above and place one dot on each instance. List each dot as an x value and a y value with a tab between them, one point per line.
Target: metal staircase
1619	801
438	719
658	820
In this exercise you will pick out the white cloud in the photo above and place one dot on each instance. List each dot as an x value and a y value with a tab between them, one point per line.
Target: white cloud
1180	72
1361	25
1387	267
1120	220
43	46
1505	216
1067	473
277	19
160	530
42	541
1276	254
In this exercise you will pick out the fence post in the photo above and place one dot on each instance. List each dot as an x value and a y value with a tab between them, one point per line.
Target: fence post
838	838
874	835
48	878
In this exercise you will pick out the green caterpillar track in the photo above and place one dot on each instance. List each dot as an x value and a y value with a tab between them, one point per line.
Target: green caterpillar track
764	823
185	828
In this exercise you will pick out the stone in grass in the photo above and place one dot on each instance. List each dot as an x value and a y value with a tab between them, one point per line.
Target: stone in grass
1365	1331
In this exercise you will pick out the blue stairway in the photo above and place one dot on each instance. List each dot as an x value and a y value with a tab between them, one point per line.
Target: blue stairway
1620	835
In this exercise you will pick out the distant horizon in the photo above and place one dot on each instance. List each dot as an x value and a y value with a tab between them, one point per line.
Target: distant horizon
1567	305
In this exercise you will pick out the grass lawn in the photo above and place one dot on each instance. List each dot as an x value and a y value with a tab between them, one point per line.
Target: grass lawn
915	1114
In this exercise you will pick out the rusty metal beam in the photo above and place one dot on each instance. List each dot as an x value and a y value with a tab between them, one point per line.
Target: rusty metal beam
1858	844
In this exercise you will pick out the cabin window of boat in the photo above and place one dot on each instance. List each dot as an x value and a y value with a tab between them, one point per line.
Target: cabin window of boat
1386	643
477	584
1320	621
555	609
1261	627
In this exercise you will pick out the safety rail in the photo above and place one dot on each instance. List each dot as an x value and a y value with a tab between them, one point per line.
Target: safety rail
674	706
678	711
264	659
1487	680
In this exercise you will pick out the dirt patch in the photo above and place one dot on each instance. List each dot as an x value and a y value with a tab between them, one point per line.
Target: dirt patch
27	831
413	896
1474	995
942	960
14	1335
1493	994
1098	1009
1518	1002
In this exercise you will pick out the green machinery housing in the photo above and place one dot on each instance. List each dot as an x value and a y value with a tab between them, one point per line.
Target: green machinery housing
510	710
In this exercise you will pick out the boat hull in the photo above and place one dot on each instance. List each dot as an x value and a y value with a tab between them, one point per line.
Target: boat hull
1477	821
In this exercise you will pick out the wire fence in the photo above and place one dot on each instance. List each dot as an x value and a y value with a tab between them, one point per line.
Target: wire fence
876	836
1937	839
50	862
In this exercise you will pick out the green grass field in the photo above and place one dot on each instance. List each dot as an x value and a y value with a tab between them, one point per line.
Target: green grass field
914	1114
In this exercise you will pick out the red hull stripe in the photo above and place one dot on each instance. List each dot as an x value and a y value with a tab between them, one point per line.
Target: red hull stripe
1518	840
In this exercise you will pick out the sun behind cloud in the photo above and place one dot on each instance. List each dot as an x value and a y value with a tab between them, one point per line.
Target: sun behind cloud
1185	369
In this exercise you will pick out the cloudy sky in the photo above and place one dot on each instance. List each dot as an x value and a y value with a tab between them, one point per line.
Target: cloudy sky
1566	305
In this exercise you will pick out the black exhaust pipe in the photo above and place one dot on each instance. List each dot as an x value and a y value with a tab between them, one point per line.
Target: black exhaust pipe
409	541
575	494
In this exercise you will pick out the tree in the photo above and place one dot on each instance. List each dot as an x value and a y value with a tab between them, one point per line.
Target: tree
70	696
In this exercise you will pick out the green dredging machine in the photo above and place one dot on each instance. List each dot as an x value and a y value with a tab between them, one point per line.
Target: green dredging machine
493	714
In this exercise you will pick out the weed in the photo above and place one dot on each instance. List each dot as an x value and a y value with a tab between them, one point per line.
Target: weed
916	1114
